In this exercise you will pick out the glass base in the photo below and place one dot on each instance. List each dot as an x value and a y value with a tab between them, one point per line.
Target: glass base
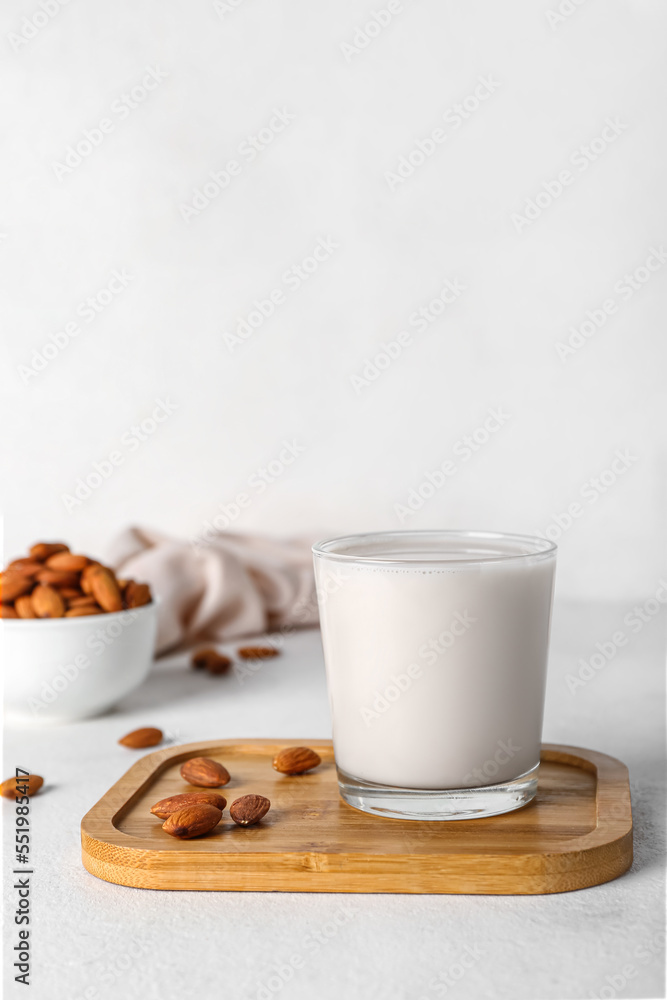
436	804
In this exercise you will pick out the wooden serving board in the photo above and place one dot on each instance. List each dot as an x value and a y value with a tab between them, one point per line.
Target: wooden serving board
577	832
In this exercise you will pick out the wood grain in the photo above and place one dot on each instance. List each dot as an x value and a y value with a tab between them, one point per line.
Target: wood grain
577	832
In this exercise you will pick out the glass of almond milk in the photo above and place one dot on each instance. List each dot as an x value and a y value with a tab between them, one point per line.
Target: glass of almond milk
435	645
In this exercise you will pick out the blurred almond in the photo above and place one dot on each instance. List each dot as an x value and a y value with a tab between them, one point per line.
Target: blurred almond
69	593
58	578
105	590
29	566
80	600
257	652
13	584
42	550
296	760
192	821
204	772
7	611
14	788
67	561
211	660
47	602
149	736
165	807
81	612
24	608
87	576
136	595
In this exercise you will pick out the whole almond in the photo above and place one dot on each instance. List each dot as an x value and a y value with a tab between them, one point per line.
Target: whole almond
42	550
249	809
79	600
86	582
70	592
29	566
58	578
24	608
136	594
84	611
204	772
140	738
67	561
105	590
165	807
7	611
212	660
296	760
257	652
14	788
13	584
192	821
47	602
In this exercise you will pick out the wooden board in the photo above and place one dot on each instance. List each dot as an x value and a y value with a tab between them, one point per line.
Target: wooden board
577	832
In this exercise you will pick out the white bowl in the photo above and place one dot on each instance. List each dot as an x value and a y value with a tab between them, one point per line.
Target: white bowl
63	669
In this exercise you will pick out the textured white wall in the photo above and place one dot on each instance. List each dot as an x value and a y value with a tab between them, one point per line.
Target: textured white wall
343	114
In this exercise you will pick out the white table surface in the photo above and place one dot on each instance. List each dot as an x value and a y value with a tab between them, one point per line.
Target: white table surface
95	940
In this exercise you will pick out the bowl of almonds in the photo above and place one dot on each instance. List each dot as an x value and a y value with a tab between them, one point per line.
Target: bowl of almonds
76	639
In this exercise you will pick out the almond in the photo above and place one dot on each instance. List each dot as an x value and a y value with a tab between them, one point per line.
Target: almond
249	809
137	594
42	550
165	807
13	584
212	660
257	652
296	760
105	590
70	592
67	561
29	566
81	612
24	608
58	578
204	772
14	788
7	611
86	582
47	602
140	738
193	821
80	600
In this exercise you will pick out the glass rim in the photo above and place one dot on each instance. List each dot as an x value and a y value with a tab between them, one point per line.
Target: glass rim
541	547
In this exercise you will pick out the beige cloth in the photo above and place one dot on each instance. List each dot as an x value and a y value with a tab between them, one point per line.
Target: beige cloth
228	586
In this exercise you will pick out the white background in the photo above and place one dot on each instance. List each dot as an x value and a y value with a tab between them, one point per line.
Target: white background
356	113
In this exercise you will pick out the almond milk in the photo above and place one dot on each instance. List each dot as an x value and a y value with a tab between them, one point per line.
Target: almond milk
436	651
